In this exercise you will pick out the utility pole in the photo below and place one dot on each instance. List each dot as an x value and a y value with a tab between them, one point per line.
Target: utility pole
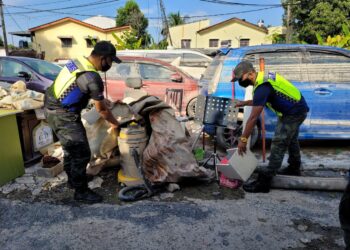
165	21
289	26
3	27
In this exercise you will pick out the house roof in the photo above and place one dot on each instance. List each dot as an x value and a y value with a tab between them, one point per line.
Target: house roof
65	19
101	21
235	20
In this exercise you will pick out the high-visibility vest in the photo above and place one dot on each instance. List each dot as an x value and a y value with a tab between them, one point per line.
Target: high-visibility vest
65	87
282	87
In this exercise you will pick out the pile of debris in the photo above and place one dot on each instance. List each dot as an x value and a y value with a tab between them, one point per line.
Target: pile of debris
16	96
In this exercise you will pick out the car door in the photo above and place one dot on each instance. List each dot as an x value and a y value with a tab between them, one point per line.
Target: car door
156	79
116	76
329	75
289	64
10	69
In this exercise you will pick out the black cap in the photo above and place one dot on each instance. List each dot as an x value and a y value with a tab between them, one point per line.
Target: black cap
241	68
105	48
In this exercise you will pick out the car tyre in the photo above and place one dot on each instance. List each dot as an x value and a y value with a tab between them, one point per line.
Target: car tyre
228	138
191	108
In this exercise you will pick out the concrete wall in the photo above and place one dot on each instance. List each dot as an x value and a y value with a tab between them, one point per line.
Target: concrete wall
233	31
48	40
187	31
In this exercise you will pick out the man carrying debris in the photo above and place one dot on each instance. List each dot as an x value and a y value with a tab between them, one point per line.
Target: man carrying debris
77	82
283	98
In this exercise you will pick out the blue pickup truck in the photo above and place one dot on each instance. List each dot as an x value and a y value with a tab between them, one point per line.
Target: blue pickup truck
321	73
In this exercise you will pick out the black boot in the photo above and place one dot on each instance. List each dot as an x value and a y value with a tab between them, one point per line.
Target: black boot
261	185
290	170
87	195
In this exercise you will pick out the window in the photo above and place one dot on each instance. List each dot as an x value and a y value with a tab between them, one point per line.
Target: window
243	42
66	42
44	68
153	71
90	42
120	71
286	63
12	68
227	43
186	43
194	60
167	57
328	67
213	43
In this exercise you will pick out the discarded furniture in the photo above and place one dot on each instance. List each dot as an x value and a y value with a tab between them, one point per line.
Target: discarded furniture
10	148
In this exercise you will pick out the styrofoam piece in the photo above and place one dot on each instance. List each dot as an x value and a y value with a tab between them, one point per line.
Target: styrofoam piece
239	167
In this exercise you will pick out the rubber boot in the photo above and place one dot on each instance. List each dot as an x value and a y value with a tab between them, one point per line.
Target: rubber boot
261	185
87	195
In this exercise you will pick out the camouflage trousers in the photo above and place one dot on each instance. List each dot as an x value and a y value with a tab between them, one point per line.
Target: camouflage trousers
344	215
72	135
285	139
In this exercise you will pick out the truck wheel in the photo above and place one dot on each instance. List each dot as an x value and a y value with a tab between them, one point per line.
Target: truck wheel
228	138
191	108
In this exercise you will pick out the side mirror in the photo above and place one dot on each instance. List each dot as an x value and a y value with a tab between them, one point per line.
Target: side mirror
24	75
176	77
133	82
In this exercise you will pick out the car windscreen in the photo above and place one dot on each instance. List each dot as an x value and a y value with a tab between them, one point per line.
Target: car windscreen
210	77
44	68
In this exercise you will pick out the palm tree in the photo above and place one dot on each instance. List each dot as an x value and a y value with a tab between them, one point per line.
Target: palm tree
174	19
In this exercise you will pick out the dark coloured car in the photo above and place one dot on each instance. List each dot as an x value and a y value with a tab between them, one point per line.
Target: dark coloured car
37	74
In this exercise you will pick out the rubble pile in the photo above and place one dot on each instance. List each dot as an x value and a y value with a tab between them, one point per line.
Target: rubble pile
16	96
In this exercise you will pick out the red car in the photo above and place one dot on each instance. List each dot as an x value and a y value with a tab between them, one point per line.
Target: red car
159	79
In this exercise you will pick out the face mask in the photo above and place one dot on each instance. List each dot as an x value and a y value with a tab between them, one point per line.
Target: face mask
105	66
244	83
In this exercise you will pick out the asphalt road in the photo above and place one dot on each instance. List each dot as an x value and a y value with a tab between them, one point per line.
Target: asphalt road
281	219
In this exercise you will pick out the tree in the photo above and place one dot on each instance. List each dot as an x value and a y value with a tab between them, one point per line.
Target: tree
341	41
131	15
174	19
311	17
1	42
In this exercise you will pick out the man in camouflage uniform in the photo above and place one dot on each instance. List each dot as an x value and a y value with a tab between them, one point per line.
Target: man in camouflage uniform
76	84
286	101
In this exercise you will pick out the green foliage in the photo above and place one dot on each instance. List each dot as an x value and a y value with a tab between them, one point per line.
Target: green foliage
127	40
174	19
311	17
1	41
131	15
277	38
342	40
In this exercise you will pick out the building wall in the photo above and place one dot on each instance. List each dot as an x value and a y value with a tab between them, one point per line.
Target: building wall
48	40
230	31
187	31
233	31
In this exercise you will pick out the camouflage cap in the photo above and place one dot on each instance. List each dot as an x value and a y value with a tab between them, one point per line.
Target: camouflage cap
241	68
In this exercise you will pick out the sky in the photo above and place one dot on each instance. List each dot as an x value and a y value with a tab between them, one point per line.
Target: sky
193	8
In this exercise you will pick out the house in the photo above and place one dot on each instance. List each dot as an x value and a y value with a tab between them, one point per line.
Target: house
233	32
68	37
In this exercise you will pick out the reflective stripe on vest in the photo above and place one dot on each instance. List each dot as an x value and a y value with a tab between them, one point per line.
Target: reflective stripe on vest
282	87
65	81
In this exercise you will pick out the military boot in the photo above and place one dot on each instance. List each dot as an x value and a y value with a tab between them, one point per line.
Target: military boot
87	195
261	185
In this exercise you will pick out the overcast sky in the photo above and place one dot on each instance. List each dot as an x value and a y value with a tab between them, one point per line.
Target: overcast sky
201	9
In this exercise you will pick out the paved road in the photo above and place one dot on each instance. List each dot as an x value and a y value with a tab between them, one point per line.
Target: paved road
279	220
